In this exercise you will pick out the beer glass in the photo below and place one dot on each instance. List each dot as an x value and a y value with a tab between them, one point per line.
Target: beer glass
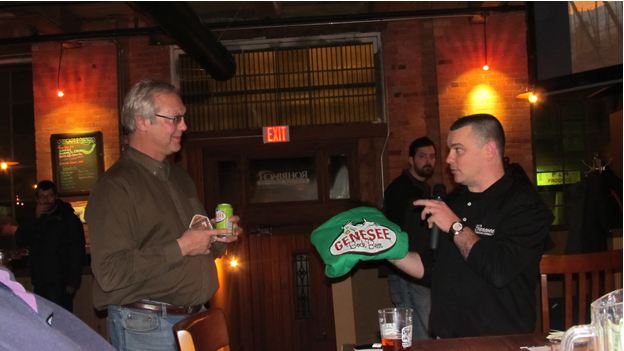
605	330
395	325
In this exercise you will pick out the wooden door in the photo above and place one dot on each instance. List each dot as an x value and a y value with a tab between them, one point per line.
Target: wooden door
282	295
291	300
279	297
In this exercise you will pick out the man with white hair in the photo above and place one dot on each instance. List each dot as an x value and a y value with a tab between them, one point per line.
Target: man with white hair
151	270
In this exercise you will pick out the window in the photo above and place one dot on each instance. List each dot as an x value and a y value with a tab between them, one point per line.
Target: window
339	177
305	81
301	270
283	179
570	130
17	139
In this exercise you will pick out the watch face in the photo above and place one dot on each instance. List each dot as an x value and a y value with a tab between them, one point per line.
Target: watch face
457	226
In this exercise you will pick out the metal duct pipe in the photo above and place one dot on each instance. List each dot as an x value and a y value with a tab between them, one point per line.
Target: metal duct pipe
180	21
370	17
114	33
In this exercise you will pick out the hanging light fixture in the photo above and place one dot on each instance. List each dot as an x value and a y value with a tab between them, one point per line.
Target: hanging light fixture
59	91
5	165
485	67
532	96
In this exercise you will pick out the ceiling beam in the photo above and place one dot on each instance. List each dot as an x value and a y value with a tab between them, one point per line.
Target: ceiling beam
358	18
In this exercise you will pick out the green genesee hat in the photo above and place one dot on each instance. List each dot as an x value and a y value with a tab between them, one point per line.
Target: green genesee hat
359	234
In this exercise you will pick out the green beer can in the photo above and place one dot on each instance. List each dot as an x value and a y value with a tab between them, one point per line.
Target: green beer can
223	213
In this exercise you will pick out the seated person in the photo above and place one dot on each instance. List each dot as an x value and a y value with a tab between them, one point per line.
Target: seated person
32	322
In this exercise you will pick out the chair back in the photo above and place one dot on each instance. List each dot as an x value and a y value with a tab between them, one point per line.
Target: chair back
204	331
584	275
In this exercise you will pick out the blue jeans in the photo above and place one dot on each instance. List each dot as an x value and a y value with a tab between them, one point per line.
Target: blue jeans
406	293
132	329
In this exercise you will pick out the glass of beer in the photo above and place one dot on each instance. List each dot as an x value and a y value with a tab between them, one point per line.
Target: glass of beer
395	326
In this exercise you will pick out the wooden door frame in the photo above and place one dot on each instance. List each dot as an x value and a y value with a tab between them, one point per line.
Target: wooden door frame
357	139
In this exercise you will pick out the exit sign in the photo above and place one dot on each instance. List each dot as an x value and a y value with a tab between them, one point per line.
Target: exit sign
275	134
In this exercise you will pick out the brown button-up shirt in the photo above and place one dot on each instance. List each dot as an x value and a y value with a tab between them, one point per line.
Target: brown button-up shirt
135	213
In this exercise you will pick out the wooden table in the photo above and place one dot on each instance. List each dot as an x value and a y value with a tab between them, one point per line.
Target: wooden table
482	343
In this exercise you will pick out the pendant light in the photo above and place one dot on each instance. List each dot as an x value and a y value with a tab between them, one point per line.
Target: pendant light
486	66
59	91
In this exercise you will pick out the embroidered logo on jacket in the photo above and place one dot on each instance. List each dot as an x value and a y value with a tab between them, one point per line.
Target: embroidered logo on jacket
481	230
365	238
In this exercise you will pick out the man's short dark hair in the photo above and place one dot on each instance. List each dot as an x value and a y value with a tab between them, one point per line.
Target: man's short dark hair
45	185
486	127
418	143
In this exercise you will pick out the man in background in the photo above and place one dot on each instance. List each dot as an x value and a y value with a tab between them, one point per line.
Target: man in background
56	244
411	185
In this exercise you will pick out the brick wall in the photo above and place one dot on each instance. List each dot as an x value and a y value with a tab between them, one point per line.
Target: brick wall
146	61
459	46
432	69
411	93
89	80
90	103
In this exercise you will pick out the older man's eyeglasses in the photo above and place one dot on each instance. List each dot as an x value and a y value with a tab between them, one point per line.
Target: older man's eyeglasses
176	119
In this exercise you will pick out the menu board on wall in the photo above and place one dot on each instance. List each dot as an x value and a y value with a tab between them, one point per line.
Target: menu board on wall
77	162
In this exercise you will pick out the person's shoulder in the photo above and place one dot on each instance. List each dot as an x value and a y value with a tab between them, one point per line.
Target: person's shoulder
398	182
65	324
116	181
121	168
64	207
521	185
522	192
121	172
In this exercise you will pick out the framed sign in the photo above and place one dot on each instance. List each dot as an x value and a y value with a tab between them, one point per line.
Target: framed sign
77	162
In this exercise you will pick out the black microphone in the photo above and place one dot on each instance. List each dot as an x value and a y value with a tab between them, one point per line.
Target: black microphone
439	191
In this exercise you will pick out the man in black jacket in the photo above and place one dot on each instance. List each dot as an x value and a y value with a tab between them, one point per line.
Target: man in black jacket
487	265
56	243
411	185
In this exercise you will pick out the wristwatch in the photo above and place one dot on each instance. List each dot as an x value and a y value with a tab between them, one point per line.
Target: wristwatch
457	228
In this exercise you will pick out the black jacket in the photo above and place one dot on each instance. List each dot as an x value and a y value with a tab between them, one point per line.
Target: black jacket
493	291
56	246
398	208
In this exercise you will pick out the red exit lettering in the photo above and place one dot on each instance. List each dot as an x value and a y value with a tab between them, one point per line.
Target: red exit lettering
275	134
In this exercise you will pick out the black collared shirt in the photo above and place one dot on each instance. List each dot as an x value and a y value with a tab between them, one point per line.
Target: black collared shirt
493	291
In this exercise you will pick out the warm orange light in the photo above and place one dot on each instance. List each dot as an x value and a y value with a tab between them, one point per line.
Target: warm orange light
482	98
233	262
4	165
486	67
60	93
533	98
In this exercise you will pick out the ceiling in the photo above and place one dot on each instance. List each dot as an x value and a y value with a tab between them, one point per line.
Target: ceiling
184	23
24	21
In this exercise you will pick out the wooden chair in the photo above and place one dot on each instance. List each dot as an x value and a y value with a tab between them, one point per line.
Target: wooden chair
205	331
582	269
